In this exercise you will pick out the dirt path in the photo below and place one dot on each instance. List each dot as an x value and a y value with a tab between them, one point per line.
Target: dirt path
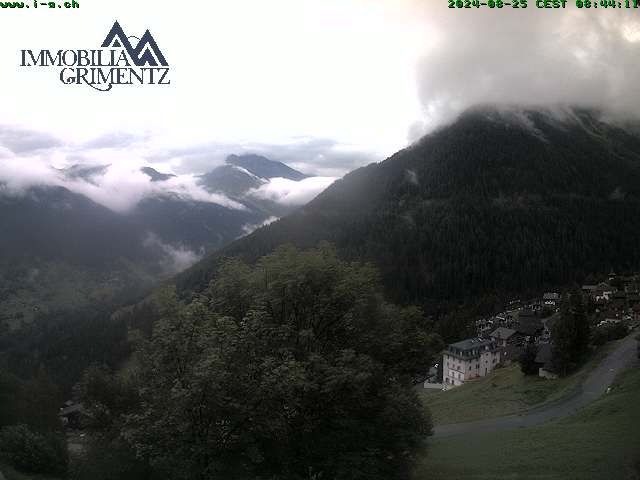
593	387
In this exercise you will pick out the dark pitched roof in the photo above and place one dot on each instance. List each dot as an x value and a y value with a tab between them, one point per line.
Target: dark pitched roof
71	409
544	355
471	347
503	333
471	343
529	326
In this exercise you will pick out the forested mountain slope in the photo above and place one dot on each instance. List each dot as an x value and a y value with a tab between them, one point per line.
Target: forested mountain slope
60	249
502	201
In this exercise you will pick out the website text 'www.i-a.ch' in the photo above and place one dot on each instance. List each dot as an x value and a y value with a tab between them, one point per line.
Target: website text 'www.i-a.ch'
38	4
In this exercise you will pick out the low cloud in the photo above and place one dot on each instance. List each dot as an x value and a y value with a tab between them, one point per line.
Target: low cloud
29	158
249	228
114	140
176	257
122	187
119	188
22	141
532	57
289	192
319	156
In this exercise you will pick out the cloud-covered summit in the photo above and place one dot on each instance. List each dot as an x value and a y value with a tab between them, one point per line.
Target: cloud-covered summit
527	57
120	170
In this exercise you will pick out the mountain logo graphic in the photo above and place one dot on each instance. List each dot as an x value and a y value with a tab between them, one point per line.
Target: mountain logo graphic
145	53
120	60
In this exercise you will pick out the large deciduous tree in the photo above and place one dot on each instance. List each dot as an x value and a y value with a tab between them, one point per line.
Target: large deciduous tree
295	368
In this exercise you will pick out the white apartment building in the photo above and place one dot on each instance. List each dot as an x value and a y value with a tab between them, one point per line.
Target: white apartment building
471	358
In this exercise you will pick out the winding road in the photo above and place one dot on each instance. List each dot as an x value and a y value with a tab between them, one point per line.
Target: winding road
593	387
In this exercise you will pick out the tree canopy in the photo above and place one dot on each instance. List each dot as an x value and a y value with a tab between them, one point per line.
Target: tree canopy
293	368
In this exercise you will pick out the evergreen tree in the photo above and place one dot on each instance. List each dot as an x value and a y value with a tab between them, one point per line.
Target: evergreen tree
527	359
583	330
570	334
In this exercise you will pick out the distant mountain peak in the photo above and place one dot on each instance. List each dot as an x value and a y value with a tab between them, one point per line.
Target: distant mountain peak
84	172
264	168
155	175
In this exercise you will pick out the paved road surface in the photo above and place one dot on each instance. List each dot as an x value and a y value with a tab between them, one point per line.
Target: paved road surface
593	387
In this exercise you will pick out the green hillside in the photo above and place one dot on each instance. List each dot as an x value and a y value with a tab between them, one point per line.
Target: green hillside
600	442
498	203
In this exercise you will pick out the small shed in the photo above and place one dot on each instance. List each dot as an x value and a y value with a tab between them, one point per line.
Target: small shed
544	360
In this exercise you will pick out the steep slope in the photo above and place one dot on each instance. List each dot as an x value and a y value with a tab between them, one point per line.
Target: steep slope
54	223
500	202
230	180
192	224
59	249
243	174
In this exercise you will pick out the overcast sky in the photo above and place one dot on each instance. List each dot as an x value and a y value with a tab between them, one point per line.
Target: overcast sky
324	85
252	73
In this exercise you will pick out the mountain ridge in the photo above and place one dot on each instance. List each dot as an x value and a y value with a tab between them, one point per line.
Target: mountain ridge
492	204
57	230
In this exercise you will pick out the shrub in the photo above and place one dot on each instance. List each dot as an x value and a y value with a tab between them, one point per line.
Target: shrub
33	452
527	360
607	333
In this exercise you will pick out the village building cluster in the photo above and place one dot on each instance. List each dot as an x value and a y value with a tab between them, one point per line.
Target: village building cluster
501	338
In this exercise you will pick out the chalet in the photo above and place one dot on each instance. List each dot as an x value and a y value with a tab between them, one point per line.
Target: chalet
604	292
514	304
530	328
551	299
511	317
468	359
503	336
507	341
484	326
